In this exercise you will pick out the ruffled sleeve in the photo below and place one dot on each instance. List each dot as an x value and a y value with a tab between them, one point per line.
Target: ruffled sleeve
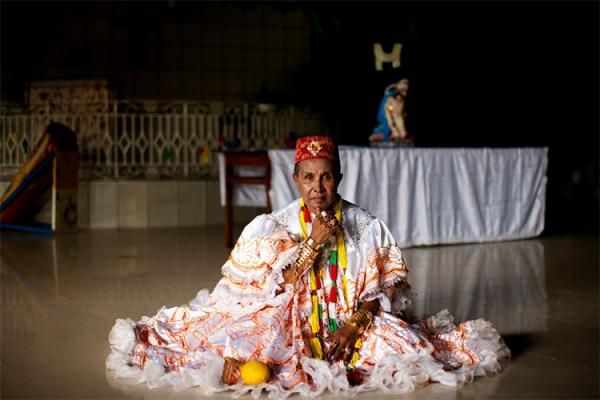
253	269
383	264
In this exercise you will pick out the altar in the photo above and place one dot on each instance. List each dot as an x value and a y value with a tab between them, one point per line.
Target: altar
427	196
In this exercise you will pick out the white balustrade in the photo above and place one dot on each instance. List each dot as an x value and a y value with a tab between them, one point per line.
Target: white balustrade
149	139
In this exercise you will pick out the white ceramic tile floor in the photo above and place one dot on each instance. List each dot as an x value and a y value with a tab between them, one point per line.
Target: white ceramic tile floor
60	297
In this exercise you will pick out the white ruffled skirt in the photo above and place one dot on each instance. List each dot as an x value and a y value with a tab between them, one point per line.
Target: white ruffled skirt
183	348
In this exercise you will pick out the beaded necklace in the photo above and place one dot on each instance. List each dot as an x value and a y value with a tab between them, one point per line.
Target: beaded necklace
337	257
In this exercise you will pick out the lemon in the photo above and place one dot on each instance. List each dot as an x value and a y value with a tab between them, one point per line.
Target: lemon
254	372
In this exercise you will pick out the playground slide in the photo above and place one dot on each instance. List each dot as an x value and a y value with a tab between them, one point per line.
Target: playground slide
50	174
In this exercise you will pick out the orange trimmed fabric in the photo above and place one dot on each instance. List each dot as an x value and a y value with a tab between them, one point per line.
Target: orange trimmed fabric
312	147
247	317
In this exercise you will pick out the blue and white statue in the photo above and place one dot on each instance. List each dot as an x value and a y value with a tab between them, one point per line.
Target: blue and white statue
391	115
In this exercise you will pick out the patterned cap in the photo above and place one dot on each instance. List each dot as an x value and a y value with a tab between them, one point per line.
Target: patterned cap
312	147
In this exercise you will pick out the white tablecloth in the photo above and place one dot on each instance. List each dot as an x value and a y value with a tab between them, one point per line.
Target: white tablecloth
431	196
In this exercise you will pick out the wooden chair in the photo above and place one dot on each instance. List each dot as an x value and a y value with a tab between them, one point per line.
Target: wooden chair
243	158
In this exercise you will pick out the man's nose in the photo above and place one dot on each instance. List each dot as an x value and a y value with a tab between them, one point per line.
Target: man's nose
319	185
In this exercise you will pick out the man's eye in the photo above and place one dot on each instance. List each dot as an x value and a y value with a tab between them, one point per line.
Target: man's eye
327	177
308	177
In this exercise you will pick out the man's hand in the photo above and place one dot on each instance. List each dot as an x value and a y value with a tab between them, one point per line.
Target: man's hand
343	340
324	226
342	343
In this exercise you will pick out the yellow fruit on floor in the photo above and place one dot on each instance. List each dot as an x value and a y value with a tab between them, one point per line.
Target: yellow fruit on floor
254	372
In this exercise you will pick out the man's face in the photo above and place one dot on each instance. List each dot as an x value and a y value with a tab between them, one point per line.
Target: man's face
317	183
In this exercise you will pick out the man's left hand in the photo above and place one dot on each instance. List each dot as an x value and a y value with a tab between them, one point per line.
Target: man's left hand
342	343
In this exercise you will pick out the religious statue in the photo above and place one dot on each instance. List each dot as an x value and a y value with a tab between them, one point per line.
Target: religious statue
391	116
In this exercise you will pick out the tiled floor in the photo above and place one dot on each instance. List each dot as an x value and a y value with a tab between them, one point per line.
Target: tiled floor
61	296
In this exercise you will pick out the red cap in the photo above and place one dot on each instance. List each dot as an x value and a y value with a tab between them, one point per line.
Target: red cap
312	147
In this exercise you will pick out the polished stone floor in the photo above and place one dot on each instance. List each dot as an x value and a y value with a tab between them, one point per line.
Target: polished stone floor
60	297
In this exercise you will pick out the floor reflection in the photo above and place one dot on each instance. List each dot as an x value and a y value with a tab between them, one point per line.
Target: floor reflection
501	282
29	288
60	297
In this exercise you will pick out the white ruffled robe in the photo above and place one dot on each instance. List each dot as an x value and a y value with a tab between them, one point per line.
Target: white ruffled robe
246	317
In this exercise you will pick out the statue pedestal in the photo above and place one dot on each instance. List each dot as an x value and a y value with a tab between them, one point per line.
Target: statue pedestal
391	144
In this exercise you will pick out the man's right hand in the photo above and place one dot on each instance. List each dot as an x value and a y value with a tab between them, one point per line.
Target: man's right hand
322	228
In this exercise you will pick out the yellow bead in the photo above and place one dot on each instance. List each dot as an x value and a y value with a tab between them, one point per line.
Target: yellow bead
316	348
313	280
254	372
355	358
315	326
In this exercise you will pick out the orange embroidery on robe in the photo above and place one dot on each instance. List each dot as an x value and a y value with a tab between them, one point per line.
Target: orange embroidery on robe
388	261
242	318
249	255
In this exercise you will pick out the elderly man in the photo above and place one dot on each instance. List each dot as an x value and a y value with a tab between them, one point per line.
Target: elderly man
304	305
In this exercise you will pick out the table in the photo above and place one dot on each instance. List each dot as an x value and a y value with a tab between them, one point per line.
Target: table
430	196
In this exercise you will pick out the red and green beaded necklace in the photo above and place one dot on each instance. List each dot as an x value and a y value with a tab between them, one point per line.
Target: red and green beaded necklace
337	256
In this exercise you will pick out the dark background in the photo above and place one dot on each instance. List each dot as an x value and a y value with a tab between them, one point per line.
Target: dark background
496	74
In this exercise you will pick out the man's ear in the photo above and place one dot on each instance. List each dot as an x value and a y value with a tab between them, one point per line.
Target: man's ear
295	179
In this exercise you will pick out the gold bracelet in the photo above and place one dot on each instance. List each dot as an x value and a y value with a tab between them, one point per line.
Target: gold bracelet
357	327
313	245
305	260
360	320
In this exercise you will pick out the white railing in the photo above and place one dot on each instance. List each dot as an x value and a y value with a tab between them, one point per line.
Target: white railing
149	139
